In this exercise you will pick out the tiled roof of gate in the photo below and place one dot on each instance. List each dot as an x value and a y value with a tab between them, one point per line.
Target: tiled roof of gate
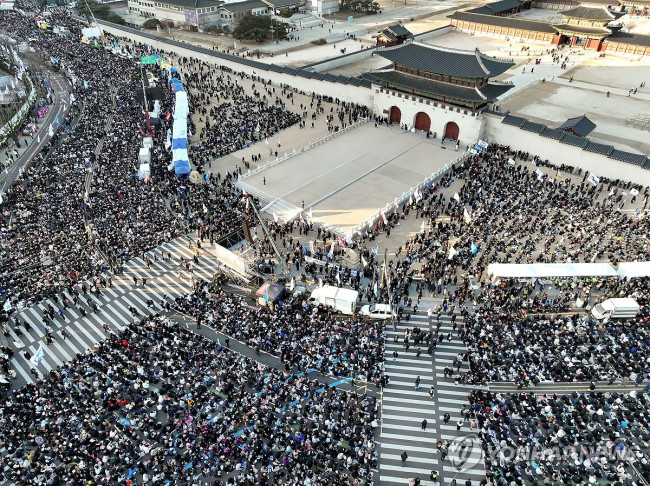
439	88
451	62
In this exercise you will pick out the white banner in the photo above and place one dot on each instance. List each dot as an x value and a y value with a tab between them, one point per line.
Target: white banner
593	178
38	356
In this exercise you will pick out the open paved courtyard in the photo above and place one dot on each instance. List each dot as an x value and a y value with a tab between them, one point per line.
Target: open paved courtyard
352	177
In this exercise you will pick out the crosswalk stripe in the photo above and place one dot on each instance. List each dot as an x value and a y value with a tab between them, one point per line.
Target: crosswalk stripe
404	408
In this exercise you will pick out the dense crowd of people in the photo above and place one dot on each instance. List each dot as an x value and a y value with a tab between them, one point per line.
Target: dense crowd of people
579	438
505	345
124	215
179	408
301	338
513	215
562	348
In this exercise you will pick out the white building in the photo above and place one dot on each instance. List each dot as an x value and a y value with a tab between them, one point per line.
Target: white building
233	12
324	7
193	14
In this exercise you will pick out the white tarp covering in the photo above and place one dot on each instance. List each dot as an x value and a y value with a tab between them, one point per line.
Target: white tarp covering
180	128
179	154
634	269
551	270
91	32
145	156
181	107
144	171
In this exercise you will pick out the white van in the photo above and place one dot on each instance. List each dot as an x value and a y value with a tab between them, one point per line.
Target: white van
340	300
623	308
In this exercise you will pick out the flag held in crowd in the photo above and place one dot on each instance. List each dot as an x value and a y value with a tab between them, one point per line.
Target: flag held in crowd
593	178
38	356
466	217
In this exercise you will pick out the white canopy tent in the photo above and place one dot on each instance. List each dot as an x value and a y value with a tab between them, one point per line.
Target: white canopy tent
551	270
180	128
181	107
632	270
91	32
144	156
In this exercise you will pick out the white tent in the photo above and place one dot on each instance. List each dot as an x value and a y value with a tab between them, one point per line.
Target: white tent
91	32
631	270
551	270
145	156
181	107
180	128
179	154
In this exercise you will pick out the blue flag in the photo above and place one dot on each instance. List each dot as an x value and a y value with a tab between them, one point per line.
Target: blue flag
266	295
473	248
304	249
187	466
85	84
56	120
375	250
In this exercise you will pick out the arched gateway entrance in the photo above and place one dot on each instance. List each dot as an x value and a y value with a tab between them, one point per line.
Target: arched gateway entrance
422	122
451	131
395	115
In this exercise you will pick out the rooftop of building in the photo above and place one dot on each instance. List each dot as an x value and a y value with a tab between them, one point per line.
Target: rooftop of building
591	12
245	5
506	22
446	61
581	125
439	89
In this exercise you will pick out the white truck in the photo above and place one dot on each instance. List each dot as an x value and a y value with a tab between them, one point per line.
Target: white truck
620	308
340	300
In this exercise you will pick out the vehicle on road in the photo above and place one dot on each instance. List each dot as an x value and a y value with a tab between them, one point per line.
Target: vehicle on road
622	308
377	311
339	300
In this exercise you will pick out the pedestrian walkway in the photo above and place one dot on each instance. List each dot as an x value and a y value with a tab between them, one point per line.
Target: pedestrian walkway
404	409
117	305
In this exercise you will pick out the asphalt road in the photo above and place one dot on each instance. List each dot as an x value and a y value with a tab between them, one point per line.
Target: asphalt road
60	107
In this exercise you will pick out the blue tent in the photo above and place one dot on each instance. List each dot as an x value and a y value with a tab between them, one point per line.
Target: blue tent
181	167
179	143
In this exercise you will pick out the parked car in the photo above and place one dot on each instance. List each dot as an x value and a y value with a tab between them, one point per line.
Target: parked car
377	311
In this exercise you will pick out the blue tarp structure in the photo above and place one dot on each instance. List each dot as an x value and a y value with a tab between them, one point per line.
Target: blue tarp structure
177	85
180	158
179	143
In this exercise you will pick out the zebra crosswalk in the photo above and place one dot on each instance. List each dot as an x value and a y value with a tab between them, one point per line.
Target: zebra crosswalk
83	329
404	408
